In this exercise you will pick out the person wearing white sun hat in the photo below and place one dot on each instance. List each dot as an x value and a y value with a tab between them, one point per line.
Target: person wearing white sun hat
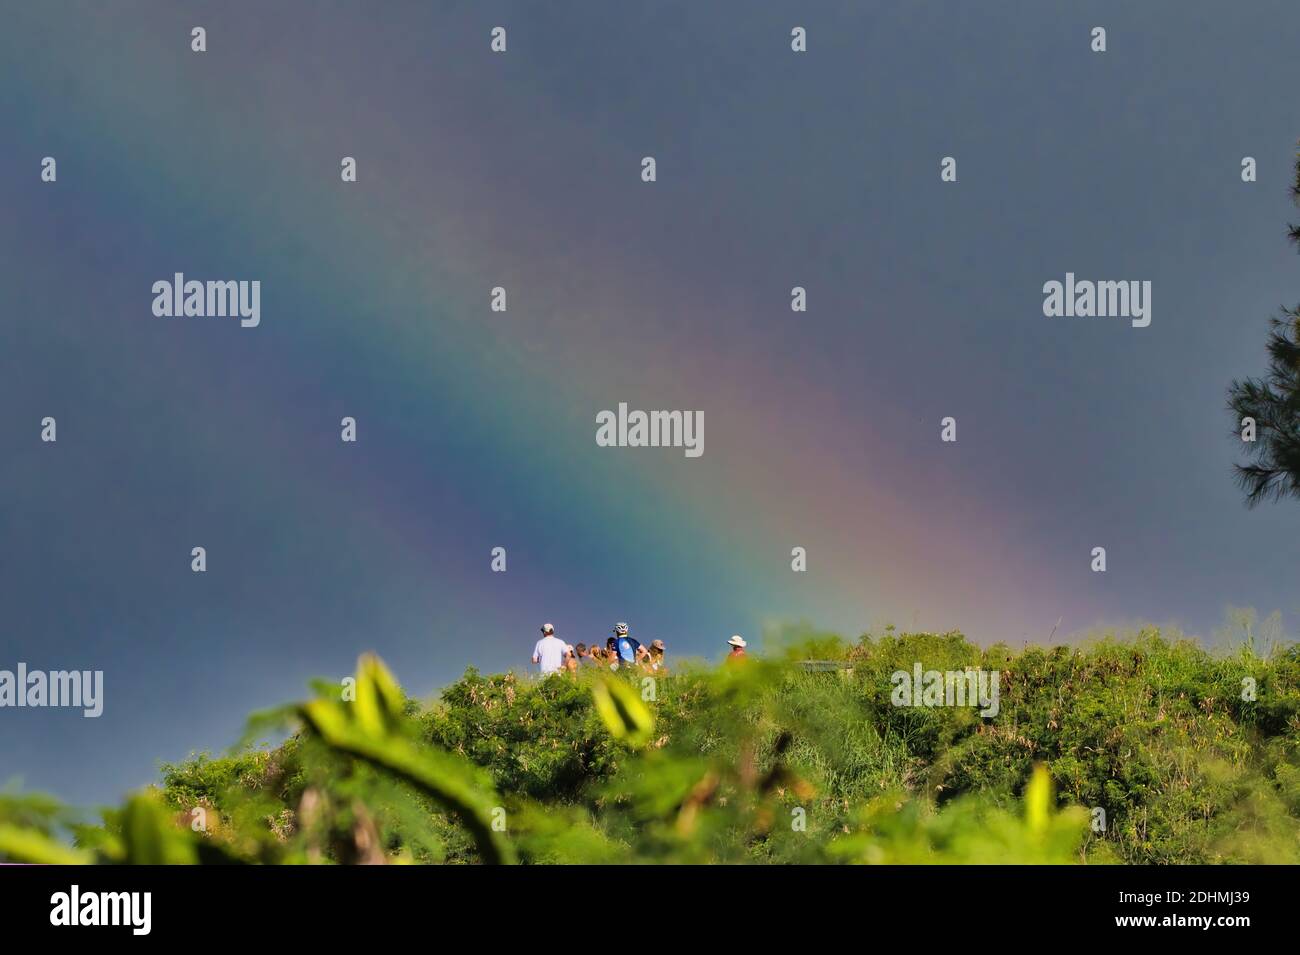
737	644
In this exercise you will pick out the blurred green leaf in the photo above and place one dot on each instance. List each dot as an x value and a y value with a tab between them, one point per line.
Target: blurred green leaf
28	845
151	837
624	713
370	730
1038	800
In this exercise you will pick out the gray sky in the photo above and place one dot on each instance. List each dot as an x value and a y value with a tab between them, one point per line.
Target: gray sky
775	169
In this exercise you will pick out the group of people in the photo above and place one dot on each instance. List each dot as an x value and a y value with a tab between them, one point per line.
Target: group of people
621	651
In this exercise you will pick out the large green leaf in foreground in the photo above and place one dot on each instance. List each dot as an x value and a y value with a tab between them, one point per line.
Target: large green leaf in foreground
369	728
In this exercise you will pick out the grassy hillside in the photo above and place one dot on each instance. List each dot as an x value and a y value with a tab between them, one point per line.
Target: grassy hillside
1148	750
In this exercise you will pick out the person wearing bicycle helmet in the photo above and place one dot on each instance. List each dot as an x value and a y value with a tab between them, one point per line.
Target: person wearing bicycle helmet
627	645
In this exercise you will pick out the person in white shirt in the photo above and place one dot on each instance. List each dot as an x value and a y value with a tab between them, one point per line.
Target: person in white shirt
549	652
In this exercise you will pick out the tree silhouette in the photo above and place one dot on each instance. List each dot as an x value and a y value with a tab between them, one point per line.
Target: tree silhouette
1273	469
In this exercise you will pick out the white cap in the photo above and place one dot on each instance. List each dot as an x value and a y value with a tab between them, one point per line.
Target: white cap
547	628
738	641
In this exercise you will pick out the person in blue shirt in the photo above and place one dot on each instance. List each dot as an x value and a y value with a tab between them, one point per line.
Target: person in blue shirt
628	647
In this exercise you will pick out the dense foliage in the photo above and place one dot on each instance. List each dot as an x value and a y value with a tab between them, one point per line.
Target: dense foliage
1145	750
1272	404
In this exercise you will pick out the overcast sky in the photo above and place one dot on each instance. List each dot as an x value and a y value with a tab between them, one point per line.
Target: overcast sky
476	429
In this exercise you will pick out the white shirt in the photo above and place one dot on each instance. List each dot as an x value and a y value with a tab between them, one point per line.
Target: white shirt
549	652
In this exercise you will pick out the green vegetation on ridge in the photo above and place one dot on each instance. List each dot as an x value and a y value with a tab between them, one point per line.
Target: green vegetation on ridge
761	762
